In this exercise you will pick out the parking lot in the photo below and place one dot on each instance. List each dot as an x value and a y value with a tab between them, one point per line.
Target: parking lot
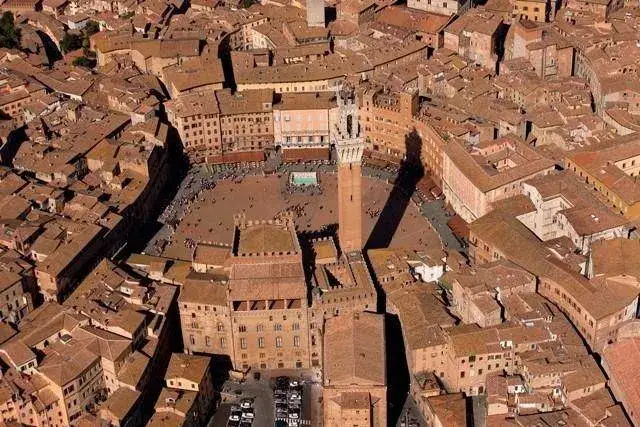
265	402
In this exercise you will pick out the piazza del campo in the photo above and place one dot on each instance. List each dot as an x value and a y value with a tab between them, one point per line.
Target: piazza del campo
340	213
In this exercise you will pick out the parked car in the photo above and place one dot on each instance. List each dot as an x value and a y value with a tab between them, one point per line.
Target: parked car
294	414
248	414
294	383
235	416
282	382
294	402
294	405
295	396
246	403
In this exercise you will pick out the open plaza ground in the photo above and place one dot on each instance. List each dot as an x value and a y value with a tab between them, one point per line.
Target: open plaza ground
208	216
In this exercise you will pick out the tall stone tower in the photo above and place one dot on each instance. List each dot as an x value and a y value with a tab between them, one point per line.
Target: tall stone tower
349	146
315	13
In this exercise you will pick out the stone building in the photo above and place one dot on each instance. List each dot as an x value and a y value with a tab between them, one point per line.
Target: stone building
477	292
597	307
188	395
452	7
475	176
205	316
246	121
475	36
612	172
550	54
315	13
387	118
357	11
303	124
564	206
355	391
267	298
196	118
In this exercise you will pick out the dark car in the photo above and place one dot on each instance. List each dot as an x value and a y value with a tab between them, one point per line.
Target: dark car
282	383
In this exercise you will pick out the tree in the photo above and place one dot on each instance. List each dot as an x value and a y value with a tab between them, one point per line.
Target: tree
9	34
83	61
91	28
70	42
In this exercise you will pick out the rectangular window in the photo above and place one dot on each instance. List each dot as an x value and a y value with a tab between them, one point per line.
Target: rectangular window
243	343
261	342
278	342
296	341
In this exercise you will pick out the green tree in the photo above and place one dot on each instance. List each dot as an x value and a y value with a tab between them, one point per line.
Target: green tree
83	61
70	42
9	34
91	28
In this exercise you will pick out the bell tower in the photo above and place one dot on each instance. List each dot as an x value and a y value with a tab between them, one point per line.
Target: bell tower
349	146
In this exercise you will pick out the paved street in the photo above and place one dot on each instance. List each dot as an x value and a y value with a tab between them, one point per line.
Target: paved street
436	214
410	416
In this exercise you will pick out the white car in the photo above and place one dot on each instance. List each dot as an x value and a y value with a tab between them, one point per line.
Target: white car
293	423
248	415
294	383
246	403
234	417
294	415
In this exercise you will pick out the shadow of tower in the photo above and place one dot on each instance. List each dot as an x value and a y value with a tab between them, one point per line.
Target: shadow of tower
410	173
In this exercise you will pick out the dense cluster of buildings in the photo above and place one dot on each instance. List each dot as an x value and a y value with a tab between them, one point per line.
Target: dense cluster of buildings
524	115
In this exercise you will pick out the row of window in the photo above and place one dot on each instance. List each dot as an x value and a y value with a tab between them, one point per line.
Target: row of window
207	341
276	327
243	342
